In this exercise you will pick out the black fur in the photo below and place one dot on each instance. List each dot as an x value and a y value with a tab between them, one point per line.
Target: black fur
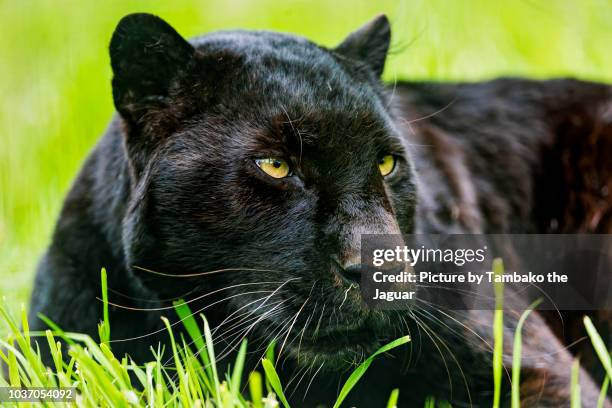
173	188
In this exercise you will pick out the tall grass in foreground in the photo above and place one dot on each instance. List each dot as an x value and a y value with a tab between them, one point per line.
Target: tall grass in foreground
498	331
103	379
192	380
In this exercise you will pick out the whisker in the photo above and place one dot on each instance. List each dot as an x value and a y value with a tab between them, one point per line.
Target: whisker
241	317
345	296
304	329
179	321
231	346
139	299
465	382
312	379
489	347
193	275
300	370
257	318
420	323
316	332
261	317
407	326
308	371
156	309
295	130
442	109
246	331
291	328
257	308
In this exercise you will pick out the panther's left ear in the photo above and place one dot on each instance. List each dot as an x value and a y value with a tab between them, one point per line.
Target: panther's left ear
369	44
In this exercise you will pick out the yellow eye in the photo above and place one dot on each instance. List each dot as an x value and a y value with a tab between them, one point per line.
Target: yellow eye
386	164
274	167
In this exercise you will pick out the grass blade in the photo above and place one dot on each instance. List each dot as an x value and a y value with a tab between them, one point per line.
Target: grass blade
256	389
498	333
270	356
211	358
57	331
604	393
189	322
392	403
275	383
599	345
104	325
237	372
516	355
575	385
270	351
363	367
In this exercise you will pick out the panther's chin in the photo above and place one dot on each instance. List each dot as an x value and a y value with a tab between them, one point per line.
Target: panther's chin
337	349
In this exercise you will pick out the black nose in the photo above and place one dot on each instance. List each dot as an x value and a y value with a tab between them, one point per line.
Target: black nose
353	273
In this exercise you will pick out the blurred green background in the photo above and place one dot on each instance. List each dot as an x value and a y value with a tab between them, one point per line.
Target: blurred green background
55	75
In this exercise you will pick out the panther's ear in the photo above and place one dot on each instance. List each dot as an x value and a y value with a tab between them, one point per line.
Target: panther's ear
369	44
146	56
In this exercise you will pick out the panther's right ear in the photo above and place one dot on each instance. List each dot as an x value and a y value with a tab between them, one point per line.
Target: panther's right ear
147	54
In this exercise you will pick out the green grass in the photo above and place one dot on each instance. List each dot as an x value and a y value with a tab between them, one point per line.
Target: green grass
55	76
103	379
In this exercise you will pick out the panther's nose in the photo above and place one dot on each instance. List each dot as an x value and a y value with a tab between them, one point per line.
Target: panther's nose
352	273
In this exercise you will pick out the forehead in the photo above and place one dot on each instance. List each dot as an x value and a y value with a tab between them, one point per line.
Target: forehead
288	86
284	69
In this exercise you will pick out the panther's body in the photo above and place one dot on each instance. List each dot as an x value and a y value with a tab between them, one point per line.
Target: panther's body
171	188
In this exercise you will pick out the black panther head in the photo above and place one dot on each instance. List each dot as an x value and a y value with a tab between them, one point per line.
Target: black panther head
257	161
